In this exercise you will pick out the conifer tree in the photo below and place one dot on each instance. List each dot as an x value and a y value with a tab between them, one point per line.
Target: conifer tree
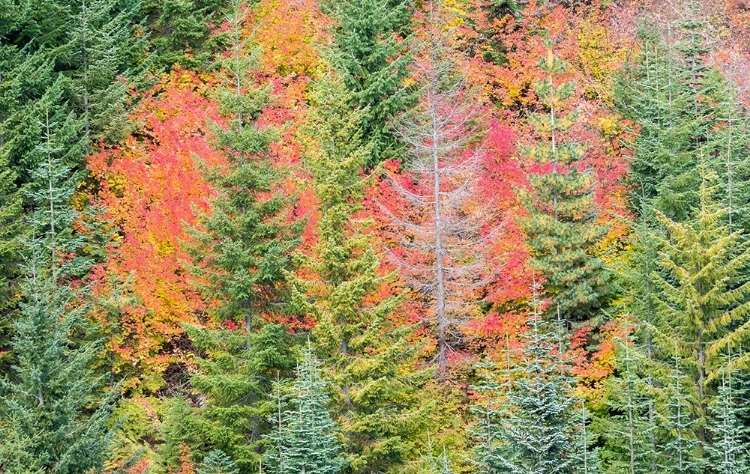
11	225
703	306
630	429
439	224
102	51
216	462
370	53
727	452
233	385
681	454
243	247
561	228
365	354
685	116
54	416
541	433
304	437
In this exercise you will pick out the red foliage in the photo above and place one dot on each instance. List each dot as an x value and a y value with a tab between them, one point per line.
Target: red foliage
152	188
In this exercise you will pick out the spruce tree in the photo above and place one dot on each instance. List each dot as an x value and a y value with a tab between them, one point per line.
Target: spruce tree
216	462
561	228
365	354
304	437
54	415
242	249
370	53
541	432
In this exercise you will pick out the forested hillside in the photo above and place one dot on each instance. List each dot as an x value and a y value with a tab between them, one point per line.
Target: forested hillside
375	236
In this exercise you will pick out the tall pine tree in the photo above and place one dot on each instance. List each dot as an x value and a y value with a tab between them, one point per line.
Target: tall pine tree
364	352
561	227
304	438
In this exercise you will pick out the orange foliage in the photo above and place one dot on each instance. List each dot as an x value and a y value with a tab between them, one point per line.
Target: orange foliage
152	188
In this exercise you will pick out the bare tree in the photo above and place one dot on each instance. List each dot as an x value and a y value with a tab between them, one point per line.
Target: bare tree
439	223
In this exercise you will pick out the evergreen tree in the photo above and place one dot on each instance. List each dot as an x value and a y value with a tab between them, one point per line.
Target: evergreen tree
365	354
11	225
216	462
703	303
683	450
372	57
304	438
630	429
727	452
102	51
685	116
53	416
233	385
540	433
243	247
181	31
561	228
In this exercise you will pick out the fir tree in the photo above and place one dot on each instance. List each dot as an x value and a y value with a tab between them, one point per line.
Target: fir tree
216	462
53	416
369	52
102	51
682	451
727	452
631	428
233	384
304	438
242	250
703	304
365	354
561	228
685	116
180	31
540	433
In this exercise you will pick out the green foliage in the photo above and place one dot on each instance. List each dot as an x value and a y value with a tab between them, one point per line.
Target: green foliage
216	462
537	430
305	437
561	228
181	32
629	431
53	415
686	115
364	353
234	384
372	57
728	454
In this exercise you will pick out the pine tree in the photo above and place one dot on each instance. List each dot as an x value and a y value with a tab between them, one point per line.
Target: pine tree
370	53
561	228
365	354
11	226
541	433
304	438
727	452
53	416
243	248
216	462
